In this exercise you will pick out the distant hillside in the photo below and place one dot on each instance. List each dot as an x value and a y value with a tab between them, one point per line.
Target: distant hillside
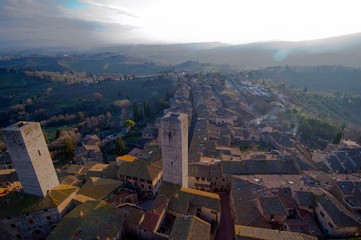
337	79
343	50
170	54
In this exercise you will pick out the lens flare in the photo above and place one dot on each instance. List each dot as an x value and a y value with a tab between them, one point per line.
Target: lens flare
280	55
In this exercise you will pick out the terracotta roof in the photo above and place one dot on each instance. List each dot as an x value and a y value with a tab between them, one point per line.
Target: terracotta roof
160	203
91	140
126	158
305	198
190	228
245	232
205	170
150	221
91	148
259	167
89	164
99	167
74	169
245	201
305	224
348	188
182	200
103	171
200	193
169	189
272	206
70	180
18	203
135	152
135	216
92	220
140	169
8	175
80	198
337	212
285	195
99	188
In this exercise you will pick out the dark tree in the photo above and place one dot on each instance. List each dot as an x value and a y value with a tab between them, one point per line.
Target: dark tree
337	139
146	109
57	133
137	112
69	146
119	146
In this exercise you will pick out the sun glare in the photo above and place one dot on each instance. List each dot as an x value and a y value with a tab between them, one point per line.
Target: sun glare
246	21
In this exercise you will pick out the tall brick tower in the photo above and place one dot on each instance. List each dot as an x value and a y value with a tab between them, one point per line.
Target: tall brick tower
31	158
174	142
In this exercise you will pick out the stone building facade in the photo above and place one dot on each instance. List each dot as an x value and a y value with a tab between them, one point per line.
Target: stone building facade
174	144
31	157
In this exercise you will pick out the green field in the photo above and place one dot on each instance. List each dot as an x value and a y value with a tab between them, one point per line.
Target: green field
337	110
16	88
326	79
342	112
103	66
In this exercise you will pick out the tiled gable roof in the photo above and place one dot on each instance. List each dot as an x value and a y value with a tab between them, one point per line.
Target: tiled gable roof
99	188
140	169
93	219
337	212
190	228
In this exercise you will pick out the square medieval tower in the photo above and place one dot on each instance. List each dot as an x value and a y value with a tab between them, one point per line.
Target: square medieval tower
174	142
31	157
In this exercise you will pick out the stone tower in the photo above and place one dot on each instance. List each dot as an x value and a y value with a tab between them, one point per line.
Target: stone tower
31	158
174	142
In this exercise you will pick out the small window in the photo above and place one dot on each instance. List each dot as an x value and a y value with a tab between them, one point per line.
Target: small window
171	163
31	221
150	187
18	236
48	217
39	152
322	214
330	224
13	225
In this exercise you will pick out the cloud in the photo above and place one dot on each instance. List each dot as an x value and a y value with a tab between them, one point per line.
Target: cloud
52	23
111	7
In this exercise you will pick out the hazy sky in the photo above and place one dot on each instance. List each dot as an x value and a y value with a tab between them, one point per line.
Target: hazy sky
90	22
